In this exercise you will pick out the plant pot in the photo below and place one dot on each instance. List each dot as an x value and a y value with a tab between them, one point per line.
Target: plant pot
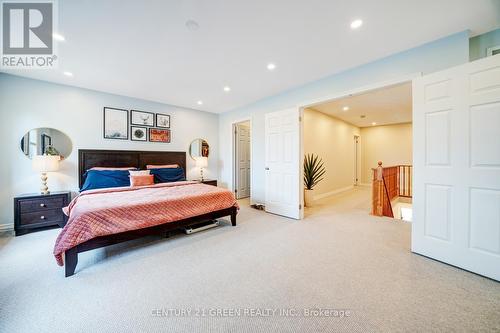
308	197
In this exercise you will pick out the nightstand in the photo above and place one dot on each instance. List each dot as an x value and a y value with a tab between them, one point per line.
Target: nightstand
35	212
212	182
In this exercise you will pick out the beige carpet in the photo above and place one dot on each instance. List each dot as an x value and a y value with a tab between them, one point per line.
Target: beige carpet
337	258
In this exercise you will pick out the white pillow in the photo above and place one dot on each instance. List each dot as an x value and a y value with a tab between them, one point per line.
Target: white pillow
139	172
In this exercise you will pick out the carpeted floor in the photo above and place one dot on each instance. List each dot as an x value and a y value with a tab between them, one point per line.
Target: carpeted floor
264	275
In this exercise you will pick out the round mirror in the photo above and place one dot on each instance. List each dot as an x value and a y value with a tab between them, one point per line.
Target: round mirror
40	141
198	148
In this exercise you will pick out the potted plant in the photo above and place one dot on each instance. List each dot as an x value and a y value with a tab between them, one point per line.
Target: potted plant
313	173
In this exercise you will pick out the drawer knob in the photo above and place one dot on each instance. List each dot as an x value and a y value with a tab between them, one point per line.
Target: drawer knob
43	205
42	217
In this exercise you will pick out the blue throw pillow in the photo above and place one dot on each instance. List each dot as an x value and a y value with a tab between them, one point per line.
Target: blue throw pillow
95	179
167	175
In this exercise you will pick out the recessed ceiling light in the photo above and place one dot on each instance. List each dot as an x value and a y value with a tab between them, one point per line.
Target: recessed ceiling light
58	37
192	25
374	123
226	88
356	24
345	108
199	102
68	73
271	66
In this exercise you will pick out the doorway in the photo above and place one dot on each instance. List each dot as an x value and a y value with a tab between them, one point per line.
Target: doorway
357	161
242	159
380	119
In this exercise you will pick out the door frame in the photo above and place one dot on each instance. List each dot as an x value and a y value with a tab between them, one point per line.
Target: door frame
342	94
233	155
357	159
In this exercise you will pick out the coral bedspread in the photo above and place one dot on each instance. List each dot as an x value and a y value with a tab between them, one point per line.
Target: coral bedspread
109	211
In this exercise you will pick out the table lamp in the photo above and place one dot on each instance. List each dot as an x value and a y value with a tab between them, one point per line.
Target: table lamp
201	162
44	164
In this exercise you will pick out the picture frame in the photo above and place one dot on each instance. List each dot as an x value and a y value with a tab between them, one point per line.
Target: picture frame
159	135
46	141
115	123
142	118
138	133
162	120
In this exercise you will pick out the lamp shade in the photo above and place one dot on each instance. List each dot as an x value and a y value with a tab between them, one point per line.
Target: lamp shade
45	163
201	162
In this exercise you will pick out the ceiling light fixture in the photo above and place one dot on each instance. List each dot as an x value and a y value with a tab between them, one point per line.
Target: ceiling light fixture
58	37
68	74
199	102
356	24
345	108
271	66
374	123
227	88
192	25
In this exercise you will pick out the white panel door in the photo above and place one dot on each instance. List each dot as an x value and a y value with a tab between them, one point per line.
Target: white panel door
243	161
456	202
282	134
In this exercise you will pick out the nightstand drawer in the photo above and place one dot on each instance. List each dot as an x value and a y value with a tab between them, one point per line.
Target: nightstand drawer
41	204
55	216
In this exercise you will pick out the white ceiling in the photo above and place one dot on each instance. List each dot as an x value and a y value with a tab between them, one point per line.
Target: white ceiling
391	105
144	49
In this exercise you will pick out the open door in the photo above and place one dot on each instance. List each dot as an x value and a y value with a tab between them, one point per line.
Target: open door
283	163
357	161
456	201
242	159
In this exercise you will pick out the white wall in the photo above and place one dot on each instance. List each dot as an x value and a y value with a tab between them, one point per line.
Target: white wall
431	57
391	144
27	104
479	44
332	140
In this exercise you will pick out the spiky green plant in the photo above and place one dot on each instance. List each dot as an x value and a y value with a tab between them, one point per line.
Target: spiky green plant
313	170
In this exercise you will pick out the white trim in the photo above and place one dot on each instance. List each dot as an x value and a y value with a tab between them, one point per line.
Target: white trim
331	193
6	227
365	184
360	90
301	163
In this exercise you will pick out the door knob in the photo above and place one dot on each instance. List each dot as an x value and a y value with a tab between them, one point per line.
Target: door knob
267	168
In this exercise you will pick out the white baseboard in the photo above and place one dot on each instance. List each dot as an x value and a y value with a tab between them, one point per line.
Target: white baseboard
6	227
329	194
365	184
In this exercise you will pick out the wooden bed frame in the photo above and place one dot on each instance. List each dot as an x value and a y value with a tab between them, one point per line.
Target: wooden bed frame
124	158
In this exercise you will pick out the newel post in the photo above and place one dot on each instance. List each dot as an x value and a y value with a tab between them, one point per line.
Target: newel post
380	171
378	191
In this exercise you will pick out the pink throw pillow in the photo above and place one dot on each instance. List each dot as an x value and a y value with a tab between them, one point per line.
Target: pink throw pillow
141	180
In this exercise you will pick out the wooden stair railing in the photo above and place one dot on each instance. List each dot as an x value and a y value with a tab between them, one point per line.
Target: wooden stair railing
389	183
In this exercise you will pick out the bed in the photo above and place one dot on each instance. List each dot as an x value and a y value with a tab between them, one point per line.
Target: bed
107	216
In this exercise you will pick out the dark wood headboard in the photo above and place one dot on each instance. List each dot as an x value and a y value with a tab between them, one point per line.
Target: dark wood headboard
89	158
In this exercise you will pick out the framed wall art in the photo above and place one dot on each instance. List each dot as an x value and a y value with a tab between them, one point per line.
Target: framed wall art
138	133
159	135
142	118
162	120
115	123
